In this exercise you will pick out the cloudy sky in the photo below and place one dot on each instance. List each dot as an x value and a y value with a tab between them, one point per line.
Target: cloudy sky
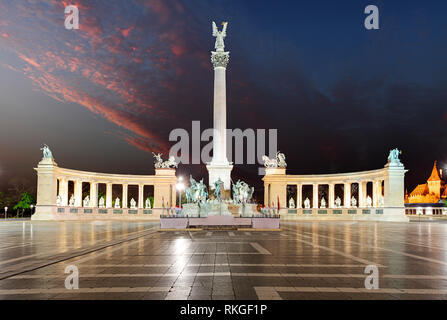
105	96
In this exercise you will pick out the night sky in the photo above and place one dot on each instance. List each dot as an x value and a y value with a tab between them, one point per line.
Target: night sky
104	96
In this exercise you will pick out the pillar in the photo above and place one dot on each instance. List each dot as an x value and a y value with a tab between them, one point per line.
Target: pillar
331	195
219	166
46	190
78	193
140	196
347	195
125	193
63	191
93	194
362	191
108	195
376	193
394	187
299	196
315	195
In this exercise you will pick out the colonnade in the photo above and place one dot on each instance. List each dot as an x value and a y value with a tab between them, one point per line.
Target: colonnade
376	197
50	196
93	194
387	193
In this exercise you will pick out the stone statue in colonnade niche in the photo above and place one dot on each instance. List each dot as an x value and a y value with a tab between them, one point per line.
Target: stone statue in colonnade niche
338	202
323	203
307	203
86	201
71	203
368	202
133	203
58	200
117	203
101	202
291	203
353	202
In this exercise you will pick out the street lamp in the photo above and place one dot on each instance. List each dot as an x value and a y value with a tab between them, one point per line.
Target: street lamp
180	186
6	210
32	206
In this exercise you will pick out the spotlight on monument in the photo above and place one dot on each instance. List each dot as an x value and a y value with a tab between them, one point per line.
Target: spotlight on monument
6	210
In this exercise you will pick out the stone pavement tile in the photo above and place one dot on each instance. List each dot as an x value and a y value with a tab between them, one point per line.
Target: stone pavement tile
154	296
222	297
199	297
222	291
201	290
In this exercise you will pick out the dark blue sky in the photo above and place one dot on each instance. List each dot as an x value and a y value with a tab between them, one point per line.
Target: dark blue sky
106	95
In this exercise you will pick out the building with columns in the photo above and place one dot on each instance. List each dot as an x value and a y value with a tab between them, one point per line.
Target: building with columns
379	194
53	196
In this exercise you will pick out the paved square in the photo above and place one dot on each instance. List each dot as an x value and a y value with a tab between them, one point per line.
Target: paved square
305	260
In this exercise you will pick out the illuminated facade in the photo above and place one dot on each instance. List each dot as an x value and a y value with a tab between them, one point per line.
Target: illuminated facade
431	192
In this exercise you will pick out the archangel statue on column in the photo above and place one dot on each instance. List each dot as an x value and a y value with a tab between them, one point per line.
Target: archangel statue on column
220	35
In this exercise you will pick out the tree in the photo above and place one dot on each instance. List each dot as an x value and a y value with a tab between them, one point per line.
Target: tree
25	202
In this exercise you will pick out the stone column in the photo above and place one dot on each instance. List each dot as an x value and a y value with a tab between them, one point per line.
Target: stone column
299	196
109	195
78	193
63	191
362	191
331	195
376	193
125	192
93	194
347	197
315	196
219	167
140	196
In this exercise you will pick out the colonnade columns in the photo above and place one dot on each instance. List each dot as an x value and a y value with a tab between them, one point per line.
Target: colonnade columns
108	195
140	196
315	196
63	191
376	193
299	196
93	194
331	195
78	193
347	197
125	192
362	191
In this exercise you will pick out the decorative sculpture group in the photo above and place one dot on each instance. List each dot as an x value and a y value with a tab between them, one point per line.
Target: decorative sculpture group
393	157
47	154
278	162
160	163
218	189
197	191
242	192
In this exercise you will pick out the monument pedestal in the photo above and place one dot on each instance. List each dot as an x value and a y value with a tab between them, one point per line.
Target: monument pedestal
222	171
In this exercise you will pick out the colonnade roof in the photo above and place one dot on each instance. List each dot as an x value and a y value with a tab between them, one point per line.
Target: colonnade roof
350	177
99	177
